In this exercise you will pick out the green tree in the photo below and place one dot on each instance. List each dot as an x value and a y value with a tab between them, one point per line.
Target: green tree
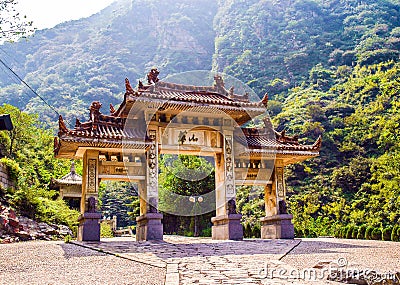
183	176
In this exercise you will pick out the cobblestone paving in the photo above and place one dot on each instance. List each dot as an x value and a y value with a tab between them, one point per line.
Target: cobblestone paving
183	261
203	261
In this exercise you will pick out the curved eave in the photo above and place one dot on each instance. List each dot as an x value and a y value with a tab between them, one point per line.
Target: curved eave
67	147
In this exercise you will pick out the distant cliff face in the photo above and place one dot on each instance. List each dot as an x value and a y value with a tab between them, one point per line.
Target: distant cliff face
80	61
270	45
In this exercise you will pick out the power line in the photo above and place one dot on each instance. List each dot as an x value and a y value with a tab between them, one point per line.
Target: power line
30	88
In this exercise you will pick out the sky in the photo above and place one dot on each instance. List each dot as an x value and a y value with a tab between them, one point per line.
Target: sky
48	13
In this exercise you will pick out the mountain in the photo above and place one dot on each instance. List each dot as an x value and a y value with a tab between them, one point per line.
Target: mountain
269	45
81	61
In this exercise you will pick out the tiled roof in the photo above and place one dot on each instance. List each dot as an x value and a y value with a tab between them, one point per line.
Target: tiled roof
212	95
265	142
267	139
100	131
177	94
101	127
71	178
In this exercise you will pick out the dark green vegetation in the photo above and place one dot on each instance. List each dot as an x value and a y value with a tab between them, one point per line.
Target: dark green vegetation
183	176
356	179
331	68
119	199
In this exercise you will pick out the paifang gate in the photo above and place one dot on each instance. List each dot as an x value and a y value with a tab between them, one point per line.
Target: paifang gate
161	117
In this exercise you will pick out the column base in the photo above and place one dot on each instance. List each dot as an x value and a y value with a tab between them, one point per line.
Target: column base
89	227
149	227
277	227
227	227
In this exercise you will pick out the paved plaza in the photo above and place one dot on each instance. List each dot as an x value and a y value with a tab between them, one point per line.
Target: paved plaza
181	260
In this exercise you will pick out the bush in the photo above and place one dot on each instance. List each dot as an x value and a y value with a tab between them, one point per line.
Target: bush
256	231
206	232
368	232
376	234
105	230
361	232
394	235
354	232
247	231
349	232
386	233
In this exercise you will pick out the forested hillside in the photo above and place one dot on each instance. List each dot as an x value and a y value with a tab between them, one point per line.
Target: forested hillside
78	62
330	67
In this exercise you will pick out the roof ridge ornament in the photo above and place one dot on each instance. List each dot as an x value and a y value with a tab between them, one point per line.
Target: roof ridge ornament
112	109
61	125
128	86
264	100
152	76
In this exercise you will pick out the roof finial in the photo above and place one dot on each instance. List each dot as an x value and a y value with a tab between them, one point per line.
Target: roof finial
152	76
128	86
73	167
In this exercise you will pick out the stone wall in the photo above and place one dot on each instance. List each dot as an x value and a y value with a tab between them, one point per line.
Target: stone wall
5	181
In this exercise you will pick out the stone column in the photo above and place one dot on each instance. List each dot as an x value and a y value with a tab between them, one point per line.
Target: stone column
149	226
89	220
277	224
226	223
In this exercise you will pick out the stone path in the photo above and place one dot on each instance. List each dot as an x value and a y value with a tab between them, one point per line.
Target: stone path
253	261
181	261
55	262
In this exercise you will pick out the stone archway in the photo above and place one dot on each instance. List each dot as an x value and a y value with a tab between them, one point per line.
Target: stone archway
163	117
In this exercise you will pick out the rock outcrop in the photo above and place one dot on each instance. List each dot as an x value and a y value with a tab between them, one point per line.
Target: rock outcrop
15	228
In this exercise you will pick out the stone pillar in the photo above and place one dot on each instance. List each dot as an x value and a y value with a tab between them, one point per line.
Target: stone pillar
89	220
226	223
277	224
149	226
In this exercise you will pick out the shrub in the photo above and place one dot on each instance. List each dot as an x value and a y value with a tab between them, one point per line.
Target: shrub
354	232
349	232
376	234
247	230
206	232
105	230
256	231
394	235
386	233
368	232
336	233
361	232
297	232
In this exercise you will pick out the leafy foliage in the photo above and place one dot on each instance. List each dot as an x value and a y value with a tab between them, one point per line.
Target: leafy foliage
30	160
119	199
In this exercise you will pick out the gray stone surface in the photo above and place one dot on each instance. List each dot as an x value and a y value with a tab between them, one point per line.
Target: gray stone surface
182	260
59	263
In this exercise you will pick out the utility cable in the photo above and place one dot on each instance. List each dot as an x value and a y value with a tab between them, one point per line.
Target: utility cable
30	88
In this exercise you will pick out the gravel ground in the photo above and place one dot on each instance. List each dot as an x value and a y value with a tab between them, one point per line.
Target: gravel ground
60	263
381	256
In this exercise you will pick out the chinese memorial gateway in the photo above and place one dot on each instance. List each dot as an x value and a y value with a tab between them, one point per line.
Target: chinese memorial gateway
169	118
